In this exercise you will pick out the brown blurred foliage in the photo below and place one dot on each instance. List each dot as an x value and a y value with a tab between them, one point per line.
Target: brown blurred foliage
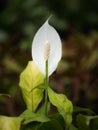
78	70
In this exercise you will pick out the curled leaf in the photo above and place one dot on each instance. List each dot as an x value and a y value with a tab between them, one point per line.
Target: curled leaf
63	105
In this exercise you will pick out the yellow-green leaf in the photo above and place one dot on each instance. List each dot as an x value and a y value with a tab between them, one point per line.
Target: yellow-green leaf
32	84
63	105
10	123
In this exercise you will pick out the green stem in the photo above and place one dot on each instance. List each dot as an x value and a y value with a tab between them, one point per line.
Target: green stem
46	88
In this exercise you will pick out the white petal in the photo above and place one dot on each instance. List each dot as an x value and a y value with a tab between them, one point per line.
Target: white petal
46	32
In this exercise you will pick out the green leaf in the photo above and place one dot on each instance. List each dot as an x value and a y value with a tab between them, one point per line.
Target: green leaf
32	86
31	126
10	123
94	123
35	121
63	105
87	122
59	118
50	125
82	122
72	127
29	116
81	109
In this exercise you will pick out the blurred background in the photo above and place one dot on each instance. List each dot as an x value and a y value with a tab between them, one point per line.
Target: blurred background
77	24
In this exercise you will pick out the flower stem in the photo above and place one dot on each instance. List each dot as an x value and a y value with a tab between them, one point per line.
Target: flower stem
46	88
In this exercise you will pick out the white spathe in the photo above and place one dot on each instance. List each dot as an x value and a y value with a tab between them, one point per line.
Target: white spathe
44	34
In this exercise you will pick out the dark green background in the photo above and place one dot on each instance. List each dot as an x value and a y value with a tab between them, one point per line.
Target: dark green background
76	22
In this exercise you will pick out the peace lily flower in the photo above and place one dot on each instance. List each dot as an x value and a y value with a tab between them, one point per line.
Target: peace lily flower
46	46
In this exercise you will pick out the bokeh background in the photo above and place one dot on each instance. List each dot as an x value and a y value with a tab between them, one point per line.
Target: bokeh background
77	24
